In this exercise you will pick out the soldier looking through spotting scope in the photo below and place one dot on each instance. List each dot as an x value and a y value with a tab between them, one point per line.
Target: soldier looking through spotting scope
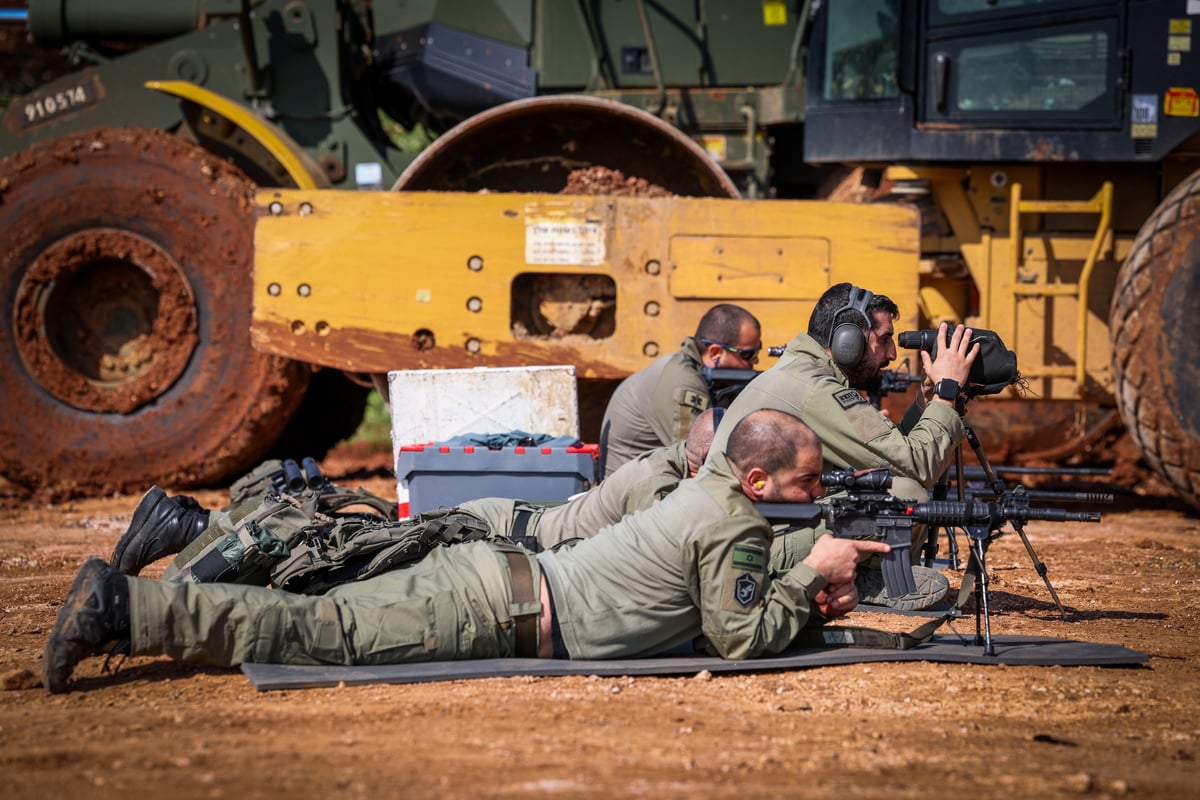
822	373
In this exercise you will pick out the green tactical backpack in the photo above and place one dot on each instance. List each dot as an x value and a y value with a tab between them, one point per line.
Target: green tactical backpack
307	498
284	543
357	549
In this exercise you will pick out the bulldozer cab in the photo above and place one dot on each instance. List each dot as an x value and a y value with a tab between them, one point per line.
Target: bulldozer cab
1052	147
1000	80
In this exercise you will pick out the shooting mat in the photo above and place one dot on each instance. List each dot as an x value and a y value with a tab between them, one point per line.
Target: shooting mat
1011	650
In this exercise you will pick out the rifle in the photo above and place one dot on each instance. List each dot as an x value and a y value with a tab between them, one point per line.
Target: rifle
893	380
726	383
867	511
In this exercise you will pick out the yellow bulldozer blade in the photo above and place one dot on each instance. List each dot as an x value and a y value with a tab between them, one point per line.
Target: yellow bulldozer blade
378	281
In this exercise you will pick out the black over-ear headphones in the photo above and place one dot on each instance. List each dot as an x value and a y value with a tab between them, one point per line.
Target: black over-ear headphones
846	340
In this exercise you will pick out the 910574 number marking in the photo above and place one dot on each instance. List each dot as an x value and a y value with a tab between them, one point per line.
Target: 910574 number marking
46	106
43	108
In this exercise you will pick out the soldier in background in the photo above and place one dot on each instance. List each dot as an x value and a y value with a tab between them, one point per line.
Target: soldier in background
656	405
822	374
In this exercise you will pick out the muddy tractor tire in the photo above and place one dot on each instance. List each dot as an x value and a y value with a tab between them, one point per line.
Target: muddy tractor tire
1154	329
125	296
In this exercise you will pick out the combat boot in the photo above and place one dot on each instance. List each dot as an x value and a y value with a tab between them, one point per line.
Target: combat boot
161	526
932	586
93	619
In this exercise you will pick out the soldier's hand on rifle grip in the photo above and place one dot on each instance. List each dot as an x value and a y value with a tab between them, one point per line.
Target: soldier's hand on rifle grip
836	600
837	559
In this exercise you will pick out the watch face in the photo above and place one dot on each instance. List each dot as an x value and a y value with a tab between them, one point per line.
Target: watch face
946	389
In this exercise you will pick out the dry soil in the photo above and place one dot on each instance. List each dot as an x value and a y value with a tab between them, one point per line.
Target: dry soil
881	730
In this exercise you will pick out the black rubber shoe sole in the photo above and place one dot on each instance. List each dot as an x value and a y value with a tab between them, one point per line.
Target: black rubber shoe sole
79	628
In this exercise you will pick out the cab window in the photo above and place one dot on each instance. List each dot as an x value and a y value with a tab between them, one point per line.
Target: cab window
948	12
1059	73
860	51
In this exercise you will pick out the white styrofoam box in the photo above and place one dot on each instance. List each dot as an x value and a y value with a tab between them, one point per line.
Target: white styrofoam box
431	405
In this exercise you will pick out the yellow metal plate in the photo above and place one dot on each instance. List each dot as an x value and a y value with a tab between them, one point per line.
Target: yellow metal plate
749	268
376	281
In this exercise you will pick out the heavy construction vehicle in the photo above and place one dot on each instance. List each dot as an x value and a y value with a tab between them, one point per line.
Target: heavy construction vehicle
991	161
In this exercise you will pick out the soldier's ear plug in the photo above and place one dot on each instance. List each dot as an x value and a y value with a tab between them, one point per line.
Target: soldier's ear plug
758	484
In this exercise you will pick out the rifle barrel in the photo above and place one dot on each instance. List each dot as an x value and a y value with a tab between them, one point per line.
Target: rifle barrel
977	473
1098	498
959	514
1058	515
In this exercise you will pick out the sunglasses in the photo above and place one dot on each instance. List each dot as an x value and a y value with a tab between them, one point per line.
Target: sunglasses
747	354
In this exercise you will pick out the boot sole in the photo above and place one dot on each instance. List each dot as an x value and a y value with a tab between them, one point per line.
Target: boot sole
926	596
68	645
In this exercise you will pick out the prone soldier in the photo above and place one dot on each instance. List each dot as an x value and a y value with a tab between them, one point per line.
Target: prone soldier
691	565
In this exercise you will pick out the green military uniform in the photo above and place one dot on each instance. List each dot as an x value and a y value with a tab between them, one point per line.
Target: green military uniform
654	406
695	563
636	485
808	384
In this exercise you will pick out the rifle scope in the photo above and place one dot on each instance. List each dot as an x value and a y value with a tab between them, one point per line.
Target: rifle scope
876	479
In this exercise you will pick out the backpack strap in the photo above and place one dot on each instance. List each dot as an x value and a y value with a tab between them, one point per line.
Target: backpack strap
335	498
354	549
520	525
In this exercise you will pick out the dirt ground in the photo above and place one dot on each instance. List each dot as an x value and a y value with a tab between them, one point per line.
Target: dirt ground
879	730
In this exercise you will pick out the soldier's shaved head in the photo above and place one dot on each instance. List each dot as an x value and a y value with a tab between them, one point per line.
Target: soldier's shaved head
768	439
699	440
723	323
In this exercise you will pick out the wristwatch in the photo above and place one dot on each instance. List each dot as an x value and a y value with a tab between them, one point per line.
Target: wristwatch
947	389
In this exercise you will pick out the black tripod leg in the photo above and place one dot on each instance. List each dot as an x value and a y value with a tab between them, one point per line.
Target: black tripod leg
1040	568
952	549
983	621
998	485
930	546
